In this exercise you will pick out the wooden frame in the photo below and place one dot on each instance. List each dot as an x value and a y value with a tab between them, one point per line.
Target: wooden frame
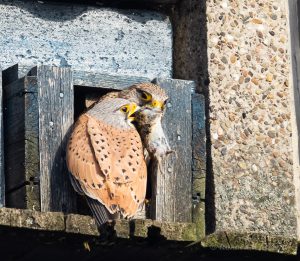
54	89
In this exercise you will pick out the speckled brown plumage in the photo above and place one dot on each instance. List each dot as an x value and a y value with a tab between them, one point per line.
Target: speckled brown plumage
107	161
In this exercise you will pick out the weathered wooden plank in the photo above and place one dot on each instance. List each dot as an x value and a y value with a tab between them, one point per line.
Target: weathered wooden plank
105	83
199	162
114	82
56	109
21	143
26	196
98	83
8	76
199	145
172	182
86	78
101	83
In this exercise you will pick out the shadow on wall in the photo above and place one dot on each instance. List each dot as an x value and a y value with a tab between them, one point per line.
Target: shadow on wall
191	63
57	12
62	12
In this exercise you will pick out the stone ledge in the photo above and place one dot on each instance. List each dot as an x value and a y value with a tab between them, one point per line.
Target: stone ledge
23	218
251	241
79	224
170	231
85	225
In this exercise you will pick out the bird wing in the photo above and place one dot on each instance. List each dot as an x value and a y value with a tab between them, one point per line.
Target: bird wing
119	154
109	164
80	158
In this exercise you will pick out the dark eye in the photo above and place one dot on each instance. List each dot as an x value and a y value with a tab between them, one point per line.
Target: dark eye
165	102
124	109
146	96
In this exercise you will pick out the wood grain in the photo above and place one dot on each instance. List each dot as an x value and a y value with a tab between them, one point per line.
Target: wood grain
172	183
98	80
7	76
105	83
199	162
100	84
56	109
86	78
21	143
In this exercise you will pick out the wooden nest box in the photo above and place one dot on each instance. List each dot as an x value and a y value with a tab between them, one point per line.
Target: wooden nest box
38	112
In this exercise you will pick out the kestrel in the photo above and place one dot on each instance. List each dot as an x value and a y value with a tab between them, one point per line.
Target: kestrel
106	161
152	100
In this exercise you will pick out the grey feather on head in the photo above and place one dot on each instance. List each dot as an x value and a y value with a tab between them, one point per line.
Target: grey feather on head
108	110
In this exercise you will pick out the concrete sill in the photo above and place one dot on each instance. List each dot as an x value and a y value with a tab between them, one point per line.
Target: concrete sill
251	241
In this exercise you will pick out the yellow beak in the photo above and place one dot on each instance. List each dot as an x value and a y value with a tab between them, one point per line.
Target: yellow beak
132	108
157	104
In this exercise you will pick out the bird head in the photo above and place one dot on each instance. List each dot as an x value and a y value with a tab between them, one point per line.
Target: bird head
117	112
128	110
148	96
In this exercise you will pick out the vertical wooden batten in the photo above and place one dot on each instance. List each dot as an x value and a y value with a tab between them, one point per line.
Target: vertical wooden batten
172	183
56	112
199	162
21	143
7	77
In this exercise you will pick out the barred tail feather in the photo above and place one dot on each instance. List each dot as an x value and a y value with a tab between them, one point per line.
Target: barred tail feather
75	184
99	211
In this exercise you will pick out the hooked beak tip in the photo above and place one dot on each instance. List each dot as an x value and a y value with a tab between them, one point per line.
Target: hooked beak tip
132	114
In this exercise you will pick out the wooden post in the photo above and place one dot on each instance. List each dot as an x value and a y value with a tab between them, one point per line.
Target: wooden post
199	162
21	141
172	184
56	109
8	76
